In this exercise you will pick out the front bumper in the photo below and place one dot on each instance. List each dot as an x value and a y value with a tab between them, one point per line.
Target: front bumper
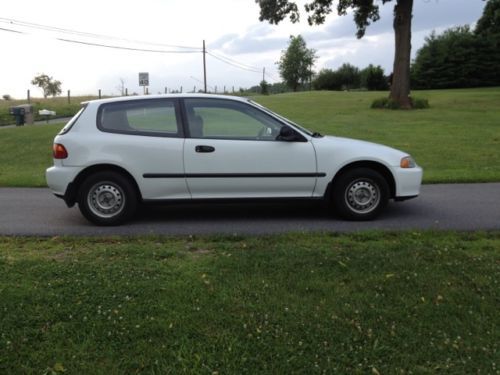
408	182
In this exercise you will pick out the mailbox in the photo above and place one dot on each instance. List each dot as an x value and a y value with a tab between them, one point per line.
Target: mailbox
23	114
46	114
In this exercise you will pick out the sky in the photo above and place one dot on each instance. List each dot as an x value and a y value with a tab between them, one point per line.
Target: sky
59	37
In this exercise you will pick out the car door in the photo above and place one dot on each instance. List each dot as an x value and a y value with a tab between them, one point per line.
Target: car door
232	152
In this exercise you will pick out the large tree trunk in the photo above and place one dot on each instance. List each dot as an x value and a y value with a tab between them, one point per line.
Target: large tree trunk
400	87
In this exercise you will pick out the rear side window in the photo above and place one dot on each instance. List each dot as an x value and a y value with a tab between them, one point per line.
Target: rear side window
141	117
73	121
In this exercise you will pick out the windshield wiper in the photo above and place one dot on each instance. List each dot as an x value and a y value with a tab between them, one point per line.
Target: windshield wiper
317	135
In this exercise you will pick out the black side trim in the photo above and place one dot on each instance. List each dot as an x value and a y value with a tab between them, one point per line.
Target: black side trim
231	200
230	175
164	175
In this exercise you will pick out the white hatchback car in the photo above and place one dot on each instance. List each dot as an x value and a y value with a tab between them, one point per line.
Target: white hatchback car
116	153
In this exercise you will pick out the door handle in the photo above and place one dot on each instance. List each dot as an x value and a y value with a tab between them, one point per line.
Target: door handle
202	148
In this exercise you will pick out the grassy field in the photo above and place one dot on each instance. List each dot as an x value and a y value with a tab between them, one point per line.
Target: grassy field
456	140
25	154
373	303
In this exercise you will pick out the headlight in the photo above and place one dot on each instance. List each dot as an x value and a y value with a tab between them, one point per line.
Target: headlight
408	162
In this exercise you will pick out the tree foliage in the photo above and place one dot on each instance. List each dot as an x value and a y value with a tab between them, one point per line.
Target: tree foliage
365	11
49	85
489	23
350	77
327	79
460	57
296	63
373	78
264	87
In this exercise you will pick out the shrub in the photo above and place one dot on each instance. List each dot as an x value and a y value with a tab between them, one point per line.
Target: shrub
387	103
7	97
419	103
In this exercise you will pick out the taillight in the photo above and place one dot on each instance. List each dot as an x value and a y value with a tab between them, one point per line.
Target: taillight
59	151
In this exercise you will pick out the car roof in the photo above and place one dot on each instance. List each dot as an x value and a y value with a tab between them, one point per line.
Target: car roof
165	96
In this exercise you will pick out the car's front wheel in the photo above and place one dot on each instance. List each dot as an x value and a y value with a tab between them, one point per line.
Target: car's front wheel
107	198
360	194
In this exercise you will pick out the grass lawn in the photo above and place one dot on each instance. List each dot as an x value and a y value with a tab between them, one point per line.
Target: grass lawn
456	140
25	154
372	303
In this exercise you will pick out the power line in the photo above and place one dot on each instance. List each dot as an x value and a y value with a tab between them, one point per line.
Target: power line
236	62
123	48
240	65
272	77
233	64
86	34
11	31
184	49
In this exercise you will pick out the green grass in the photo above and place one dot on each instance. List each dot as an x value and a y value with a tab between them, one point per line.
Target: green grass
415	302
25	153
456	140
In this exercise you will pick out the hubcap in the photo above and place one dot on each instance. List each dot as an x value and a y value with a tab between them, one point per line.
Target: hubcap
362	196
106	199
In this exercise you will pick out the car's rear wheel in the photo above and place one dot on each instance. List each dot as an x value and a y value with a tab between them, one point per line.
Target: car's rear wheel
360	194
107	198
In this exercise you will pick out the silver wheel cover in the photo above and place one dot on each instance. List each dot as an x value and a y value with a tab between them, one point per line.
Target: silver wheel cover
106	199
362	196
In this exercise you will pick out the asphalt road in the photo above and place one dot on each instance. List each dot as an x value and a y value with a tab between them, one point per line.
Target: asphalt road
33	211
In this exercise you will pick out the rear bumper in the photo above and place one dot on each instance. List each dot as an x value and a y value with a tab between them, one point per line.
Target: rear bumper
59	180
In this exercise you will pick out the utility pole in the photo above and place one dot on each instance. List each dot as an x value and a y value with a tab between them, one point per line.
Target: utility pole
204	67
264	74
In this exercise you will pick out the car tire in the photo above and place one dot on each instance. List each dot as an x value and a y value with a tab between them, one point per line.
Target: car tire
107	198
360	194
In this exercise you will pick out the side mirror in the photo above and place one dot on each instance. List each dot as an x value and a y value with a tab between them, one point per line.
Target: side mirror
287	134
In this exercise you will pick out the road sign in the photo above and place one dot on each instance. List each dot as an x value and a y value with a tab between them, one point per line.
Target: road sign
143	79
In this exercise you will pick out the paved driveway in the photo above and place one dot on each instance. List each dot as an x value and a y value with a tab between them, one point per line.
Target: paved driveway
30	211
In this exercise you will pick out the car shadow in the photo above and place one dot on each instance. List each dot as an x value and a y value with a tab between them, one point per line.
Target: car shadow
233	211
241	212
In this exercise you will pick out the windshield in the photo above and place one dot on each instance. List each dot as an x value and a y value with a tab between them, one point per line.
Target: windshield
289	122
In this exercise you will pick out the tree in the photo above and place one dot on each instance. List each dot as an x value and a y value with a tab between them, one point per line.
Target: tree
121	87
449	60
488	33
296	63
47	84
327	79
489	23
365	12
349	76
460	57
373	78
